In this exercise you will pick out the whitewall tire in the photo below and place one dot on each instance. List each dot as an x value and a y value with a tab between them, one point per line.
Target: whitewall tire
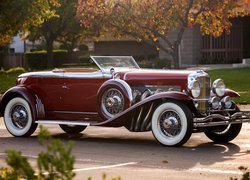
18	118
172	124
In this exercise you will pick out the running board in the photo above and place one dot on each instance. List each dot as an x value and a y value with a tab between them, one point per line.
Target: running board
56	122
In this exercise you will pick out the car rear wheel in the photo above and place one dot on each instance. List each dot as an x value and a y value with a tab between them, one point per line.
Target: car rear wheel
74	129
172	124
18	118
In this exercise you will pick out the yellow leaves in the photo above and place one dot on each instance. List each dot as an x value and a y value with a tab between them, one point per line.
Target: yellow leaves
145	18
155	39
5	39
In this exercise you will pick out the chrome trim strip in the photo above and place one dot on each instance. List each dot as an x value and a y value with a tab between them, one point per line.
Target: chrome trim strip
42	74
88	75
56	122
146	120
81	75
138	122
74	112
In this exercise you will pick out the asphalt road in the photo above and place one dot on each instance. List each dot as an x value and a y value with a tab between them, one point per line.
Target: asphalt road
117	152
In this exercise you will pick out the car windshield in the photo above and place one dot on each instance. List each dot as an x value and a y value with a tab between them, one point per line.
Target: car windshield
105	63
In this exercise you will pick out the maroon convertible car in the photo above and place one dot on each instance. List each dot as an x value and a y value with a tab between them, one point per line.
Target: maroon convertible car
172	104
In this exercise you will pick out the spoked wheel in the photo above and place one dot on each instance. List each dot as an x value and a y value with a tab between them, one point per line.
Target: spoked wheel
18	118
172	124
72	129
112	102
113	97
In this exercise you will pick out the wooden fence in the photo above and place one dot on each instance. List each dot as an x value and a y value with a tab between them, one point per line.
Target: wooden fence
13	60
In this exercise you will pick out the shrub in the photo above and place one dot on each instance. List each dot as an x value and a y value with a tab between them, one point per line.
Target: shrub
38	59
83	47
56	163
16	70
155	63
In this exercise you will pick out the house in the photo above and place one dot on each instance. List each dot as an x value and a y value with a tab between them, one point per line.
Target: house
228	48
19	45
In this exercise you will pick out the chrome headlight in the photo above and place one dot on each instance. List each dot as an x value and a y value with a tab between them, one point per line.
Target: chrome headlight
219	87
194	88
215	103
227	102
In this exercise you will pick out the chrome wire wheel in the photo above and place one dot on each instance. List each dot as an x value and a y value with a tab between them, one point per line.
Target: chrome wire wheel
112	102
18	119
172	124
19	116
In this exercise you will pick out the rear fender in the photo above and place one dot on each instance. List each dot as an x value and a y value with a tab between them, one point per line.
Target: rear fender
35	103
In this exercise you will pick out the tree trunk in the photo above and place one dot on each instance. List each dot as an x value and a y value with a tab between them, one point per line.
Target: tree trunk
50	59
176	57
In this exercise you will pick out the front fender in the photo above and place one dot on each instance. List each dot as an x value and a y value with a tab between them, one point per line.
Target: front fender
231	93
19	91
138	116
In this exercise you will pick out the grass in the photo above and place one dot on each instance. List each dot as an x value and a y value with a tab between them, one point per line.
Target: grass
7	80
235	79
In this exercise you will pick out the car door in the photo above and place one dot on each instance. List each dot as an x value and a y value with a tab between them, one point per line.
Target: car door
80	91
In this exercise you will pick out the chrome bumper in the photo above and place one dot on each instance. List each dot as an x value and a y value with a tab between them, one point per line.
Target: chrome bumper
218	120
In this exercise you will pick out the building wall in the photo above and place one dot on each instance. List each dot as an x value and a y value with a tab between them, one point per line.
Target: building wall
17	45
190	48
132	48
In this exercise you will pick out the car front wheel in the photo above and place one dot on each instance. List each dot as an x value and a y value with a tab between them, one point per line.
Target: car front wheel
18	118
224	134
172	124
74	129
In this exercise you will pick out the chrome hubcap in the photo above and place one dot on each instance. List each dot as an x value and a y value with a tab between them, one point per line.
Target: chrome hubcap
111	101
170	123
19	116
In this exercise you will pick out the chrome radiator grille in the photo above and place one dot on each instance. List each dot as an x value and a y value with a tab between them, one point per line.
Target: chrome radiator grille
203	103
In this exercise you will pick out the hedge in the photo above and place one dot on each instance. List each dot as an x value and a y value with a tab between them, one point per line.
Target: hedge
38	59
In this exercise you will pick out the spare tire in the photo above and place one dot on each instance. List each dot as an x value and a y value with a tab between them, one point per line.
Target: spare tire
113	97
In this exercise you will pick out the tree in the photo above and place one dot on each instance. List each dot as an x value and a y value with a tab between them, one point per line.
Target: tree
154	19
16	16
64	28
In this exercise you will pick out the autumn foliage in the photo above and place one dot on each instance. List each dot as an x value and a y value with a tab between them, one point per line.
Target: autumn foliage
16	16
153	19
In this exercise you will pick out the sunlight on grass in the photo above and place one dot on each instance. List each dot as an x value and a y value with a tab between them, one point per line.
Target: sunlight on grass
235	79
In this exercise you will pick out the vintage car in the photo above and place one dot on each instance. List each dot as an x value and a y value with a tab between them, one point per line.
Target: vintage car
171	103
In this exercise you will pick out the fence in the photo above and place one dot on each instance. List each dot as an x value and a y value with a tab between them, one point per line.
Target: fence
13	60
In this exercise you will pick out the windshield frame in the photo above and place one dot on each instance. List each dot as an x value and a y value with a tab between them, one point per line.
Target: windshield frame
107	69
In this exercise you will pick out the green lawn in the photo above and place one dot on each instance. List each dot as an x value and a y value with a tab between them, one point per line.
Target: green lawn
7	80
235	79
